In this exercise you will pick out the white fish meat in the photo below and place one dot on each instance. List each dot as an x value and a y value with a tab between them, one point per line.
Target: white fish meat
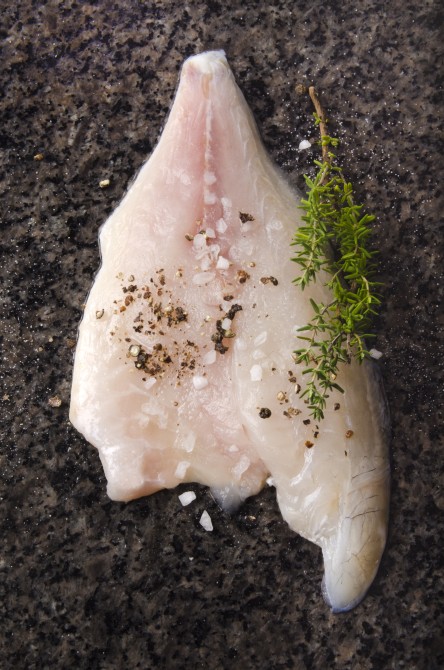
183	369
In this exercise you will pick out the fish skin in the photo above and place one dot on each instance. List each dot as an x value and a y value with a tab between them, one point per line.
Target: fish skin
201	422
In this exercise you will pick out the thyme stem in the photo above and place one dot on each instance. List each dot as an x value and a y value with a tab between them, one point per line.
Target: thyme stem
322	122
333	238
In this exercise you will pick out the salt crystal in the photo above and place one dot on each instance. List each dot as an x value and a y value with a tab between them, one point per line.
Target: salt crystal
209	232
209	198
205	521
226	323
222	263
261	338
202	278
209	177
226	205
240	344
205	263
199	242
210	357
233	448
150	382
187	498
258	354
221	226
270	481
189	442
241	466
199	382
181	469
305	144
256	373
374	353
214	250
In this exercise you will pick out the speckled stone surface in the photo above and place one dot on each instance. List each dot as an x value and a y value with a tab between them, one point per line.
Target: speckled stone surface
87	583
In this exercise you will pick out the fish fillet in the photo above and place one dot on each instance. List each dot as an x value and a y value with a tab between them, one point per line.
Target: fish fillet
183	369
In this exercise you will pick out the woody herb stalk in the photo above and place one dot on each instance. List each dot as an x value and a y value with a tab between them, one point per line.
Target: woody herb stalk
333	238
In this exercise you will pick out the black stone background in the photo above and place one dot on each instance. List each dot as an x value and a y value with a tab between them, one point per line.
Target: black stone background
88	583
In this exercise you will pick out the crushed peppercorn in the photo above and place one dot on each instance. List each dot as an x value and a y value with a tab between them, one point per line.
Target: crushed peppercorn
244	217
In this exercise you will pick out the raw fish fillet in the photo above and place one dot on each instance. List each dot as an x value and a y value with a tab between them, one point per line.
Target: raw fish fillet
184	369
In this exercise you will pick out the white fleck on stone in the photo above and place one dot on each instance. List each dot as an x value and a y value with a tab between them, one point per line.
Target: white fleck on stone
205	521
233	448
374	353
209	232
256	373
209	358
199	382
270	481
226	323
305	144
202	278
150	382
222	263
181	469
187	497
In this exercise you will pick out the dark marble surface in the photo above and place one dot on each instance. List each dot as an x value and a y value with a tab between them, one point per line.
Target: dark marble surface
88	583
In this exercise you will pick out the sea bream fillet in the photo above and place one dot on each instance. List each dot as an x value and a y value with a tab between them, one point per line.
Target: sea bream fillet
184	369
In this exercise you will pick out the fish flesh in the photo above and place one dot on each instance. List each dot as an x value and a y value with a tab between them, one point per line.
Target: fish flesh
184	369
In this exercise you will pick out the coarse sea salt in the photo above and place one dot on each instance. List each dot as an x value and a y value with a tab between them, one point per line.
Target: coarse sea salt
221	226
241	466
181	469
256	373
187	497
199	382
199	242
209	177
209	198
205	521
374	353
202	278
209	358
222	263
189	442
261	338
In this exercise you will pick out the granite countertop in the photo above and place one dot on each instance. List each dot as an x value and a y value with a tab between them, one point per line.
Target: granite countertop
89	583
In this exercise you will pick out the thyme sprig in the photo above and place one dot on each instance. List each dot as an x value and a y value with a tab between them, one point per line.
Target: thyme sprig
333	239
